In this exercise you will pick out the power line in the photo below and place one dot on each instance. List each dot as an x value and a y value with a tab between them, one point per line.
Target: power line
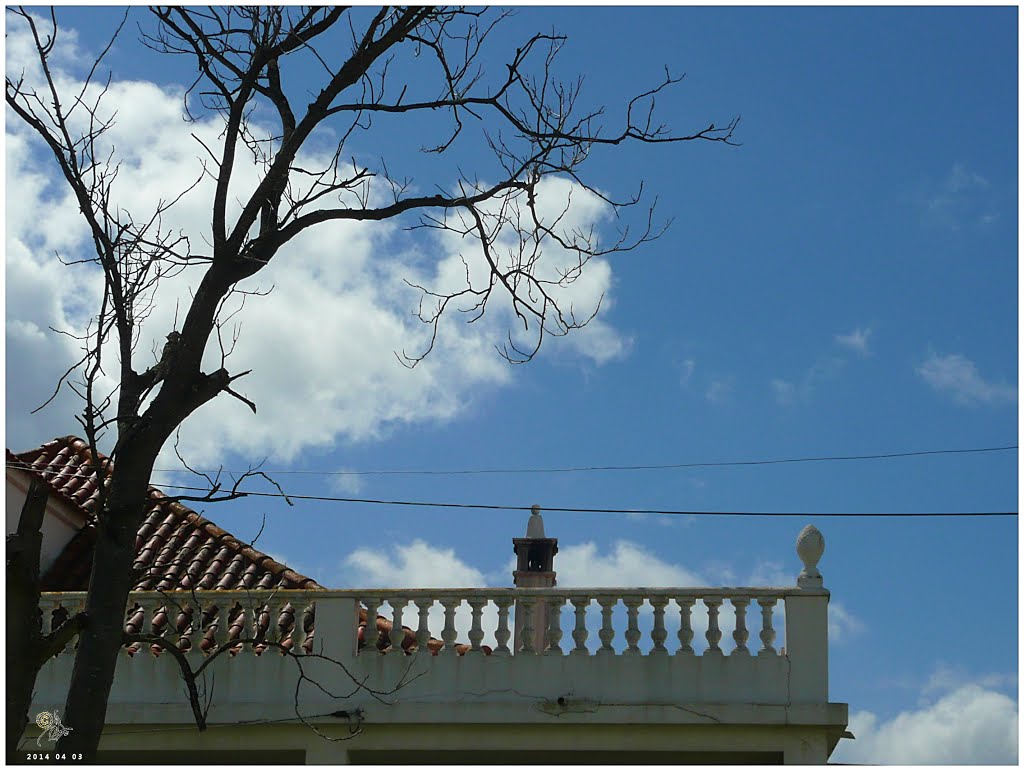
571	469
653	467
574	510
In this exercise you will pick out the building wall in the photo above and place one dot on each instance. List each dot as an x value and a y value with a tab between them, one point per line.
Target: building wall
60	523
434	743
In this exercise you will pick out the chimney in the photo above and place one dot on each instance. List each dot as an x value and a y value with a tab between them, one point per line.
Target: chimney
535	569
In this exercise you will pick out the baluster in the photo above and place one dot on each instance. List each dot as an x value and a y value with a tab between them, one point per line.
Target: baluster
150	609
181	609
476	634
72	607
632	630
371	634
579	634
211	625
261	621
503	633
685	633
246	619
741	635
714	634
767	630
526	605
193	621
223	621
659	634
298	632
46	608
553	634
448	634
607	633
397	632
423	605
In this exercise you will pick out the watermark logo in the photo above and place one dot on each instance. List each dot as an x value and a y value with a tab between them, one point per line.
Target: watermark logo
52	728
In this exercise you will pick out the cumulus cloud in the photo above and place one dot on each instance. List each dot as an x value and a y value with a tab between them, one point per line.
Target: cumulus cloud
856	341
971	724
321	344
842	624
415	565
626	564
420	565
957	376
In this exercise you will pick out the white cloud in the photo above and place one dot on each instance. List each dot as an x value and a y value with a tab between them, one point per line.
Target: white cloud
415	565
343	481
720	391
956	375
857	341
969	725
789	392
686	370
321	345
627	564
963	197
420	565
624	564
842	624
961	178
785	391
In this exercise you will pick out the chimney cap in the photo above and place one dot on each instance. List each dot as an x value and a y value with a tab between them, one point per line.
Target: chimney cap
535	527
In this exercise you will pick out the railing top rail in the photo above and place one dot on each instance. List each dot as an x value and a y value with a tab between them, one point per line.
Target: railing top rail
465	593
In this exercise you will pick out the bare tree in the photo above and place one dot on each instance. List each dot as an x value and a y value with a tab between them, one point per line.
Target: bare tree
531	122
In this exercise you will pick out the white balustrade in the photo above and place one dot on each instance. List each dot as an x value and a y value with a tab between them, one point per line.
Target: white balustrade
579	633
423	606
298	633
553	634
449	633
659	634
370	632
741	635
476	634
527	604
767	630
632	623
714	633
607	633
685	629
397	633
632	630
503	632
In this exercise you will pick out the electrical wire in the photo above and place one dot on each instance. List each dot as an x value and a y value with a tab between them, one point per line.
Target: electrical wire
571	469
574	510
652	467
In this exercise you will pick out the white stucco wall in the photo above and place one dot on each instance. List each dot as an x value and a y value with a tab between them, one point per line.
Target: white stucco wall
60	523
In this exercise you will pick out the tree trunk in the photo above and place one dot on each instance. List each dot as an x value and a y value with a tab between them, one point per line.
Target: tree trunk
23	633
100	643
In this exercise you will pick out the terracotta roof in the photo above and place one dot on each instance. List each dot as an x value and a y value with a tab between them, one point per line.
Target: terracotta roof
176	549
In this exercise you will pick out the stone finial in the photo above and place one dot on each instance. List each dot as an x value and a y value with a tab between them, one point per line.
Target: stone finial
535	527
810	545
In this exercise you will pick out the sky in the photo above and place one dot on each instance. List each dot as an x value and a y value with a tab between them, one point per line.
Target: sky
844	282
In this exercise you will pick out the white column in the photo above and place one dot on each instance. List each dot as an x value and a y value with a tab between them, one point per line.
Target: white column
503	633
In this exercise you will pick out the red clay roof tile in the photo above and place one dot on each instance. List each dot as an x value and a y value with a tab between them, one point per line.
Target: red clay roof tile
176	549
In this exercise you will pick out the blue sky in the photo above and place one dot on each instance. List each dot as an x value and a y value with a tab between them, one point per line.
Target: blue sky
845	282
